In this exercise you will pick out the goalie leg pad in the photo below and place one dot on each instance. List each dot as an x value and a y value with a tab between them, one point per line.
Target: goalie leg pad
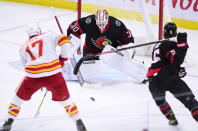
131	67
92	70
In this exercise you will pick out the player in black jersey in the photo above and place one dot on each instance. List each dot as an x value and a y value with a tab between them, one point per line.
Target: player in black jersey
166	72
105	33
100	29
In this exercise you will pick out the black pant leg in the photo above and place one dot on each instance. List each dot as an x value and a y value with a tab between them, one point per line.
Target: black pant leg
183	93
158	92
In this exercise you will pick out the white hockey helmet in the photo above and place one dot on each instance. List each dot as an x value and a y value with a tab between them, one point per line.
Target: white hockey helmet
102	19
33	29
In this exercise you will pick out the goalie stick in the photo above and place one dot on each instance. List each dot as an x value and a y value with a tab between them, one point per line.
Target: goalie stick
78	73
91	57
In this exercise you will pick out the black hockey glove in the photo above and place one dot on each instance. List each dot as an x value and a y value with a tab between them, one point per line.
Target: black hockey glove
182	40
182	72
182	37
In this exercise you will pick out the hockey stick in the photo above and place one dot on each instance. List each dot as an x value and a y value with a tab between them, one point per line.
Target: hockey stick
78	73
38	110
91	57
73	60
57	21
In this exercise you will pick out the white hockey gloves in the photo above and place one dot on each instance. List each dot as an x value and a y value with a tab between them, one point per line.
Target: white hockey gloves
75	44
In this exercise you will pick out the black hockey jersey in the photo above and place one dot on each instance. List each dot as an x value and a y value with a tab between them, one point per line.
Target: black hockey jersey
167	58
115	33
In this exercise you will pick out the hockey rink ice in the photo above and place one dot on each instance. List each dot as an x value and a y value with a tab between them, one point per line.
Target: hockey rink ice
118	106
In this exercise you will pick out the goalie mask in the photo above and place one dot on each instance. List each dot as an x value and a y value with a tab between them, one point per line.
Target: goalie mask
170	30
102	19
33	29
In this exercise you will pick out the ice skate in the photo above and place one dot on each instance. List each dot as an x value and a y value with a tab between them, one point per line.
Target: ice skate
7	125
80	125
173	122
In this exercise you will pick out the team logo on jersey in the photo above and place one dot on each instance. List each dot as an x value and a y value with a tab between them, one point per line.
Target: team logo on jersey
88	20
118	23
101	42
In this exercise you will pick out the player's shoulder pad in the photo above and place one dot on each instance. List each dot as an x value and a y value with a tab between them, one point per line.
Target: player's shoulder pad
116	21
89	19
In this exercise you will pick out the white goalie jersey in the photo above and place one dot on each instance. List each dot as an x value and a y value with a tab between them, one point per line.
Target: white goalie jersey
39	55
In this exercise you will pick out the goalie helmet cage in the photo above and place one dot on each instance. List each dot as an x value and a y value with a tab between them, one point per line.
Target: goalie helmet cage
133	17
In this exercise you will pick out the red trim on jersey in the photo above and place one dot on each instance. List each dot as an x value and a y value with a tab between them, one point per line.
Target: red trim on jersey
182	44
124	44
71	109
62	40
129	36
14	110
81	31
43	67
165	107
172	56
151	72
47	67
74	33
45	70
195	112
62	37
167	54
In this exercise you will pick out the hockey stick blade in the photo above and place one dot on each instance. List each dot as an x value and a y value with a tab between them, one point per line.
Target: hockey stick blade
78	64
91	57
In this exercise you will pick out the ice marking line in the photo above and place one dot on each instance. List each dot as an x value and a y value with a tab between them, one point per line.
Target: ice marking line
192	75
9	42
20	26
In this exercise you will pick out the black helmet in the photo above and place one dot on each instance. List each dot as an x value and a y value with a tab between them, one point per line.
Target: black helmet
170	30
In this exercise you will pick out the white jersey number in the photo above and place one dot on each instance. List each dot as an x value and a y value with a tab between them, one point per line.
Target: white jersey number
156	53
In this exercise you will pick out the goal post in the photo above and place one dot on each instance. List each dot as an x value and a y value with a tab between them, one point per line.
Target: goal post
161	19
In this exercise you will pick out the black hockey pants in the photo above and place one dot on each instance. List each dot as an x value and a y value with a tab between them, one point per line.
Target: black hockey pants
176	86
